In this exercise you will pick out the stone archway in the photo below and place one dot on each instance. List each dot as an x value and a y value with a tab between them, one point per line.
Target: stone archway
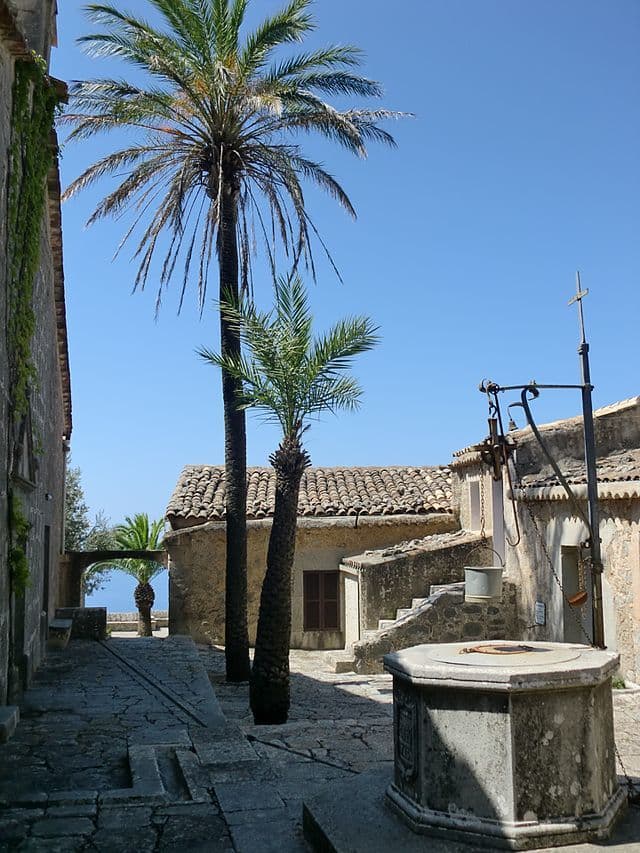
74	563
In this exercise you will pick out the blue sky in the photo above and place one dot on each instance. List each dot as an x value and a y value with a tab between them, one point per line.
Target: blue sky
519	167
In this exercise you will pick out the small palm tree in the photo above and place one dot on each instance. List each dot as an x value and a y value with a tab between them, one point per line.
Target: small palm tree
289	377
213	156
138	534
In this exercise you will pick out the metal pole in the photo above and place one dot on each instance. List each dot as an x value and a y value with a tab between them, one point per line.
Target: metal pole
592	479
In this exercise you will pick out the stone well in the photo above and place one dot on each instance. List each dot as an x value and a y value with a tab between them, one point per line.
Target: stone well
507	746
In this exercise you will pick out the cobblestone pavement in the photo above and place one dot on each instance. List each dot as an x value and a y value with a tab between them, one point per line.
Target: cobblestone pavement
124	746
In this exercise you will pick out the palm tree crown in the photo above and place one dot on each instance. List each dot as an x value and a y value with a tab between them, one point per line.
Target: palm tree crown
217	115
288	375
138	534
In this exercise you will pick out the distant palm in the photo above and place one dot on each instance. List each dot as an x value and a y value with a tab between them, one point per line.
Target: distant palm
138	534
289	377
216	164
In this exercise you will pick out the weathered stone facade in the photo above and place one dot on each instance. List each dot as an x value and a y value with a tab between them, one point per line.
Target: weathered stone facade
196	572
445	617
547	532
24	26
391	578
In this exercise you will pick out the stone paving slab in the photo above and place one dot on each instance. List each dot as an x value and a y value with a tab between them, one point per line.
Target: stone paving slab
373	828
341	725
102	721
92	765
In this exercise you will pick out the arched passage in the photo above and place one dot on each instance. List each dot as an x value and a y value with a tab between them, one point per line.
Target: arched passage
74	563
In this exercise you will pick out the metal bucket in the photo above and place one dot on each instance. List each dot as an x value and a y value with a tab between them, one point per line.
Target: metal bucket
482	584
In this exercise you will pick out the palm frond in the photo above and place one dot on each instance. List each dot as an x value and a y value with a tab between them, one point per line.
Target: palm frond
288	25
288	376
214	110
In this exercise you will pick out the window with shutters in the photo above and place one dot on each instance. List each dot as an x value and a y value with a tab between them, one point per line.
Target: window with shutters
320	590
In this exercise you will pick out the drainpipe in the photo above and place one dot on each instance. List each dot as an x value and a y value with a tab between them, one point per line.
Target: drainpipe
66	447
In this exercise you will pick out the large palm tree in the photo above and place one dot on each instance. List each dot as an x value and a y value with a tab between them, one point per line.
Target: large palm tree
289	377
216	160
137	534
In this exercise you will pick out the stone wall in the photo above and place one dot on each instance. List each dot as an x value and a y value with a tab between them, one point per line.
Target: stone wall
444	618
390	579
23	619
36	20
6	78
557	528
617	427
197	567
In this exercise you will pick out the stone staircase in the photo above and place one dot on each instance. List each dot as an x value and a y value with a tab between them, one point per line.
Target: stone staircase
443	594
416	604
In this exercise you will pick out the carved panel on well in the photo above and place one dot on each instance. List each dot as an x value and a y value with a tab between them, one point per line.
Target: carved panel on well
406	736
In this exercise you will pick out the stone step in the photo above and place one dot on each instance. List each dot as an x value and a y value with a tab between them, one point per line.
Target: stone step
455	590
59	633
195	776
385	623
9	718
401	612
145	778
418	602
342	662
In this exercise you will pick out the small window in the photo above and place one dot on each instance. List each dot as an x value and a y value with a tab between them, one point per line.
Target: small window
321	612
24	463
474	504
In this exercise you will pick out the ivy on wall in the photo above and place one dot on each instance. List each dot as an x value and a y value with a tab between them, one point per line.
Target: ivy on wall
18	563
33	105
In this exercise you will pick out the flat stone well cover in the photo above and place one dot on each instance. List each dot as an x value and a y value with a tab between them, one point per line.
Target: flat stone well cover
513	655
509	666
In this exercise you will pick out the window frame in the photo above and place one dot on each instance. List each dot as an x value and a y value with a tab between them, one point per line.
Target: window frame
321	601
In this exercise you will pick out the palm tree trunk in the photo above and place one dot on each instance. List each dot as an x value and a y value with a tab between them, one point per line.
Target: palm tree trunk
235	456
144	622
144	597
269	690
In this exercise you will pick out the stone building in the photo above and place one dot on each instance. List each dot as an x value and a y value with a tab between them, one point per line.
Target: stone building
32	462
341	512
540	535
544	522
533	529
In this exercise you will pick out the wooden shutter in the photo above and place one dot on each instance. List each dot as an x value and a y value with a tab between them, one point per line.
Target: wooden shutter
321	601
330	620
311	601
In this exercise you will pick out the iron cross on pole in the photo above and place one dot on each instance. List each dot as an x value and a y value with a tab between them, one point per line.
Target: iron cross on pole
592	477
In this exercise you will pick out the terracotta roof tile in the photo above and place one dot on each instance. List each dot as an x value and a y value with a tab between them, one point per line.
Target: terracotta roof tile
324	492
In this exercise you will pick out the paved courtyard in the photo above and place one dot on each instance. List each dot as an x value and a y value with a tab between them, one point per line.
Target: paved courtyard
139	745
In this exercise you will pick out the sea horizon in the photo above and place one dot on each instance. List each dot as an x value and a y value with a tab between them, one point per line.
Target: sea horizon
117	593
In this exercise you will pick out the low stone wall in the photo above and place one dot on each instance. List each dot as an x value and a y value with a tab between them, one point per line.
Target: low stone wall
89	623
129	621
390	578
444	618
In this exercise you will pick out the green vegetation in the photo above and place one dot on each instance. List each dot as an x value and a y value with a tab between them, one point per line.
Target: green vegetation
33	106
32	109
137	534
19	528
289	377
617	683
217	161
